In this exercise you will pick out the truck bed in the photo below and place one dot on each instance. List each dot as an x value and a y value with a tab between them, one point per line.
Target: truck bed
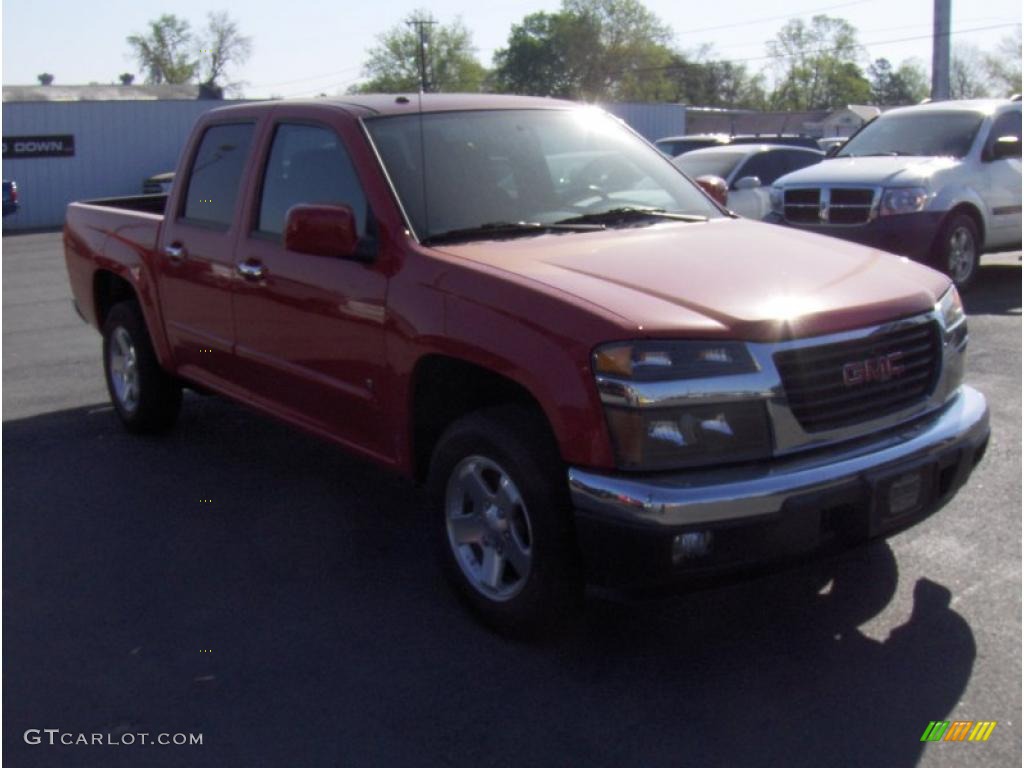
117	234
143	203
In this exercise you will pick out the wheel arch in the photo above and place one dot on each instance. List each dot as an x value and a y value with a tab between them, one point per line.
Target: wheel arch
444	388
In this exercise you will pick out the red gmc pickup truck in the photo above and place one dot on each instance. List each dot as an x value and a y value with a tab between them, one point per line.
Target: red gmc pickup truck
600	374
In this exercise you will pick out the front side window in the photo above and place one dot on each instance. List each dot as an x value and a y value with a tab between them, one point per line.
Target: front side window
307	164
456	170
923	134
1007	124
217	173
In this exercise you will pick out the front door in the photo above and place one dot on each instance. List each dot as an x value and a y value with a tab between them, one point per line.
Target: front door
310	329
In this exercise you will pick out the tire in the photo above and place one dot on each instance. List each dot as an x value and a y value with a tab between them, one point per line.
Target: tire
502	522
145	398
957	250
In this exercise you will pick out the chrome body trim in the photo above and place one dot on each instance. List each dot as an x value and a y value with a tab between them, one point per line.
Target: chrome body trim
766	385
696	497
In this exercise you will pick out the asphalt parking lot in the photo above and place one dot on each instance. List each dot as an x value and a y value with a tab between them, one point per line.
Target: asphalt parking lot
298	619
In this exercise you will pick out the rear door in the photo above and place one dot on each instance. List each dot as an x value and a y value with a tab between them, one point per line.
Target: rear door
310	329
195	264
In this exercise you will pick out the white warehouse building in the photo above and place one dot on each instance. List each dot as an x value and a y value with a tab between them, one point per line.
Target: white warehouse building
67	143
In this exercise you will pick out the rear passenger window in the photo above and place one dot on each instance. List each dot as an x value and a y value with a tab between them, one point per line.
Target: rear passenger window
307	164
217	173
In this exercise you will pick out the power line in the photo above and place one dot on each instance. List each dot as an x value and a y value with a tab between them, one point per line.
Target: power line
830	50
307	78
751	22
927	25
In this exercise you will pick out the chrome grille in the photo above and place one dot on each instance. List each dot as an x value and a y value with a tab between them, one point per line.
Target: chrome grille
817	379
801	205
828	205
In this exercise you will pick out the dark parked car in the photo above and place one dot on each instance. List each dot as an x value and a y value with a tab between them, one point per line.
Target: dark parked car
673	146
11	203
747	171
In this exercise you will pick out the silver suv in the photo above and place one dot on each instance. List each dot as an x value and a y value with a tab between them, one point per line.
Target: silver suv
938	182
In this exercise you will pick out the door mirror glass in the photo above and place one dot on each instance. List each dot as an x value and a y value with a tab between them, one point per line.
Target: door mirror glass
748	182
321	230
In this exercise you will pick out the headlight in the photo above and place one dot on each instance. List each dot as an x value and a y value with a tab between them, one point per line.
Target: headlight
648	437
950	309
775	198
688	436
954	322
903	200
667	360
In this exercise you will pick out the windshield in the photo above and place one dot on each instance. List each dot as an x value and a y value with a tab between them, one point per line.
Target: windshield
542	166
926	134
714	163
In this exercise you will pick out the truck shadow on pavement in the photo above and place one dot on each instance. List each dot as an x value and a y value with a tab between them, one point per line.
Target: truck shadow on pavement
305	579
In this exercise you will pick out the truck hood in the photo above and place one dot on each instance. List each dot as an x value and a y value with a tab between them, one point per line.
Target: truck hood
870	171
724	278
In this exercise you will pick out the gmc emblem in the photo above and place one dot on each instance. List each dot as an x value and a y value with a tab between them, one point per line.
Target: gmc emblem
873	369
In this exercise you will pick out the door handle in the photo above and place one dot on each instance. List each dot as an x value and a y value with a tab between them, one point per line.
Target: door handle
251	270
175	252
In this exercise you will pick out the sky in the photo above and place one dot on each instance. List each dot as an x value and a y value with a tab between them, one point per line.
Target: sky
305	47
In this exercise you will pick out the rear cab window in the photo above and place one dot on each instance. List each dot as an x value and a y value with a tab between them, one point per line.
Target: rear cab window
216	174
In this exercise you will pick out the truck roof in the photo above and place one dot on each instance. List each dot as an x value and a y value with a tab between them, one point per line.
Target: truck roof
369	105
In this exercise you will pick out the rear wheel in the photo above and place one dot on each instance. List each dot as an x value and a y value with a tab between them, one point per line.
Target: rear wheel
958	250
145	398
502	521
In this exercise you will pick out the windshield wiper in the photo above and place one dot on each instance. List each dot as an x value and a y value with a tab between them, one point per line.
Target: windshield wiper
506	229
632	213
893	153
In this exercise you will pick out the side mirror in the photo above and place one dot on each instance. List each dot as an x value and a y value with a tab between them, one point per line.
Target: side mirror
748	182
321	230
715	186
1006	146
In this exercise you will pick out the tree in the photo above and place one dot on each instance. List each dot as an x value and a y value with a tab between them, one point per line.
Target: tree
817	65
549	54
590	49
393	64
126	78
699	79
967	75
222	46
889	87
164	53
1004	68
45	79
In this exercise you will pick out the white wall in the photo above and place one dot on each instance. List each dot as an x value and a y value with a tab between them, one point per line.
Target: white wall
117	145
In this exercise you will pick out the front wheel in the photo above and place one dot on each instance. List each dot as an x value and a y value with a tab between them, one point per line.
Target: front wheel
958	250
502	521
145	397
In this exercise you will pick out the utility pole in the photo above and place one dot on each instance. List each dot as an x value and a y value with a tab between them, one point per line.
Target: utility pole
940	51
421	25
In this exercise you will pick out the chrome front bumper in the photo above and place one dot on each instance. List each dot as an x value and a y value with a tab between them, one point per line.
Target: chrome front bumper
732	495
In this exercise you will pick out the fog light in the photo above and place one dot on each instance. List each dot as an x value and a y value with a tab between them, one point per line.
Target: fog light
687	546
